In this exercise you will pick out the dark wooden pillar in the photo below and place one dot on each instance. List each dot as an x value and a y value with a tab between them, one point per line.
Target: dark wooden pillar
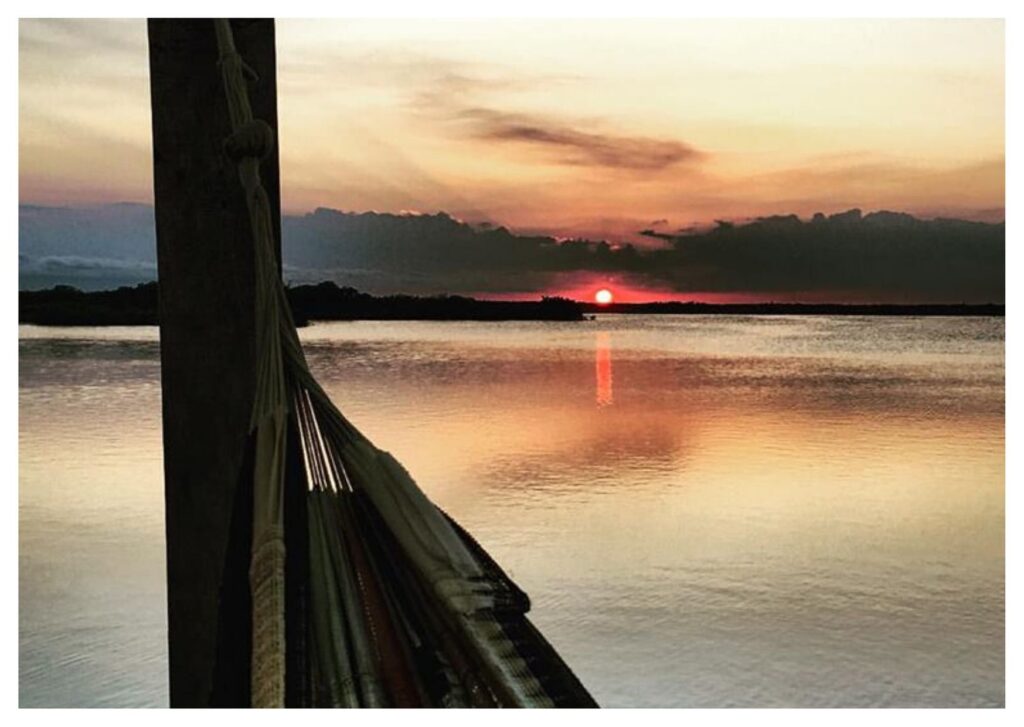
205	259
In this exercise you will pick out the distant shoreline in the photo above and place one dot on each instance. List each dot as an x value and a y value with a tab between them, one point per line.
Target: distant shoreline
987	310
137	306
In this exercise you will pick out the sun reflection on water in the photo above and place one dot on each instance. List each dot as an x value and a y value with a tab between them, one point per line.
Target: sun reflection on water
603	368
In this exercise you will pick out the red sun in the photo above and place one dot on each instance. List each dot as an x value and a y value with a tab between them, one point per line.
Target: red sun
603	296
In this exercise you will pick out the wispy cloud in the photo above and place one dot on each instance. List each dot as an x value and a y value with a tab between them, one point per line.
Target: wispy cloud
463	96
565	144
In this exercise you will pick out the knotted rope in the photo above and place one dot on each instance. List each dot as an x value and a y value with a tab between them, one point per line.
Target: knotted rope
250	141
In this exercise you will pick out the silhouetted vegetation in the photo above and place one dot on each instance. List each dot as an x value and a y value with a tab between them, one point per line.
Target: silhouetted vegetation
328	302
135	306
129	306
65	305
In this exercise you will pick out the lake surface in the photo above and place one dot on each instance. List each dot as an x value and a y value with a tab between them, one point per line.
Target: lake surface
706	511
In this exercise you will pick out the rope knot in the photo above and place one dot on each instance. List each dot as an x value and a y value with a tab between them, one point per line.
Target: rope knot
253	139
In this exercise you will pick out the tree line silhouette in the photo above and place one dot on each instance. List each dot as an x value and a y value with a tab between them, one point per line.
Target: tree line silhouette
65	305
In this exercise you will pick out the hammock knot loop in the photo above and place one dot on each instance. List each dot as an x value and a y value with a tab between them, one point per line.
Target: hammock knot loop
252	140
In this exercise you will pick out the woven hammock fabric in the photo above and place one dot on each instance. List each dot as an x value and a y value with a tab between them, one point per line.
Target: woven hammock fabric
402	607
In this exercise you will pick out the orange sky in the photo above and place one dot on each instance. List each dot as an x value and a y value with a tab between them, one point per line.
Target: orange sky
581	127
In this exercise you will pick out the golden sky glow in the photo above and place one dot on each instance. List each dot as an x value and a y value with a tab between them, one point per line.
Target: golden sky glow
570	127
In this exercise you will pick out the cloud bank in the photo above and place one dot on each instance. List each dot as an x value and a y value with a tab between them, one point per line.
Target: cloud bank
851	257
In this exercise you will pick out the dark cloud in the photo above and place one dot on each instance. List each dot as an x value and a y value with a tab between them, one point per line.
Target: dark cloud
568	145
78	265
882	257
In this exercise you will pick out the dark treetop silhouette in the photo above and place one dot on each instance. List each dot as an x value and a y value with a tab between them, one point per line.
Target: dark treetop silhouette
129	306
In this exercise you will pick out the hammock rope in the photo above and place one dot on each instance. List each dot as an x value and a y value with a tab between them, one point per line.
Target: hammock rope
404	608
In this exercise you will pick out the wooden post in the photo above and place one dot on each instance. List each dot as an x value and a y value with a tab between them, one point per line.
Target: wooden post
205	260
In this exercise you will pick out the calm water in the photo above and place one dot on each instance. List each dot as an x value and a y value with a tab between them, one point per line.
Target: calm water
706	511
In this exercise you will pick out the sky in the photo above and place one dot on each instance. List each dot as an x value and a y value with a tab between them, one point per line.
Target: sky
566	128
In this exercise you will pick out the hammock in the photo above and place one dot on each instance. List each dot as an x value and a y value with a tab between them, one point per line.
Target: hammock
397	604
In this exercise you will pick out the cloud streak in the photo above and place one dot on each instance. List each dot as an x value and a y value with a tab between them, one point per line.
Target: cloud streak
570	146
454	96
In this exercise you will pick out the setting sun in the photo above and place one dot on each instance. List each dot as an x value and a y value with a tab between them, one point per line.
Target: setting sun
603	296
